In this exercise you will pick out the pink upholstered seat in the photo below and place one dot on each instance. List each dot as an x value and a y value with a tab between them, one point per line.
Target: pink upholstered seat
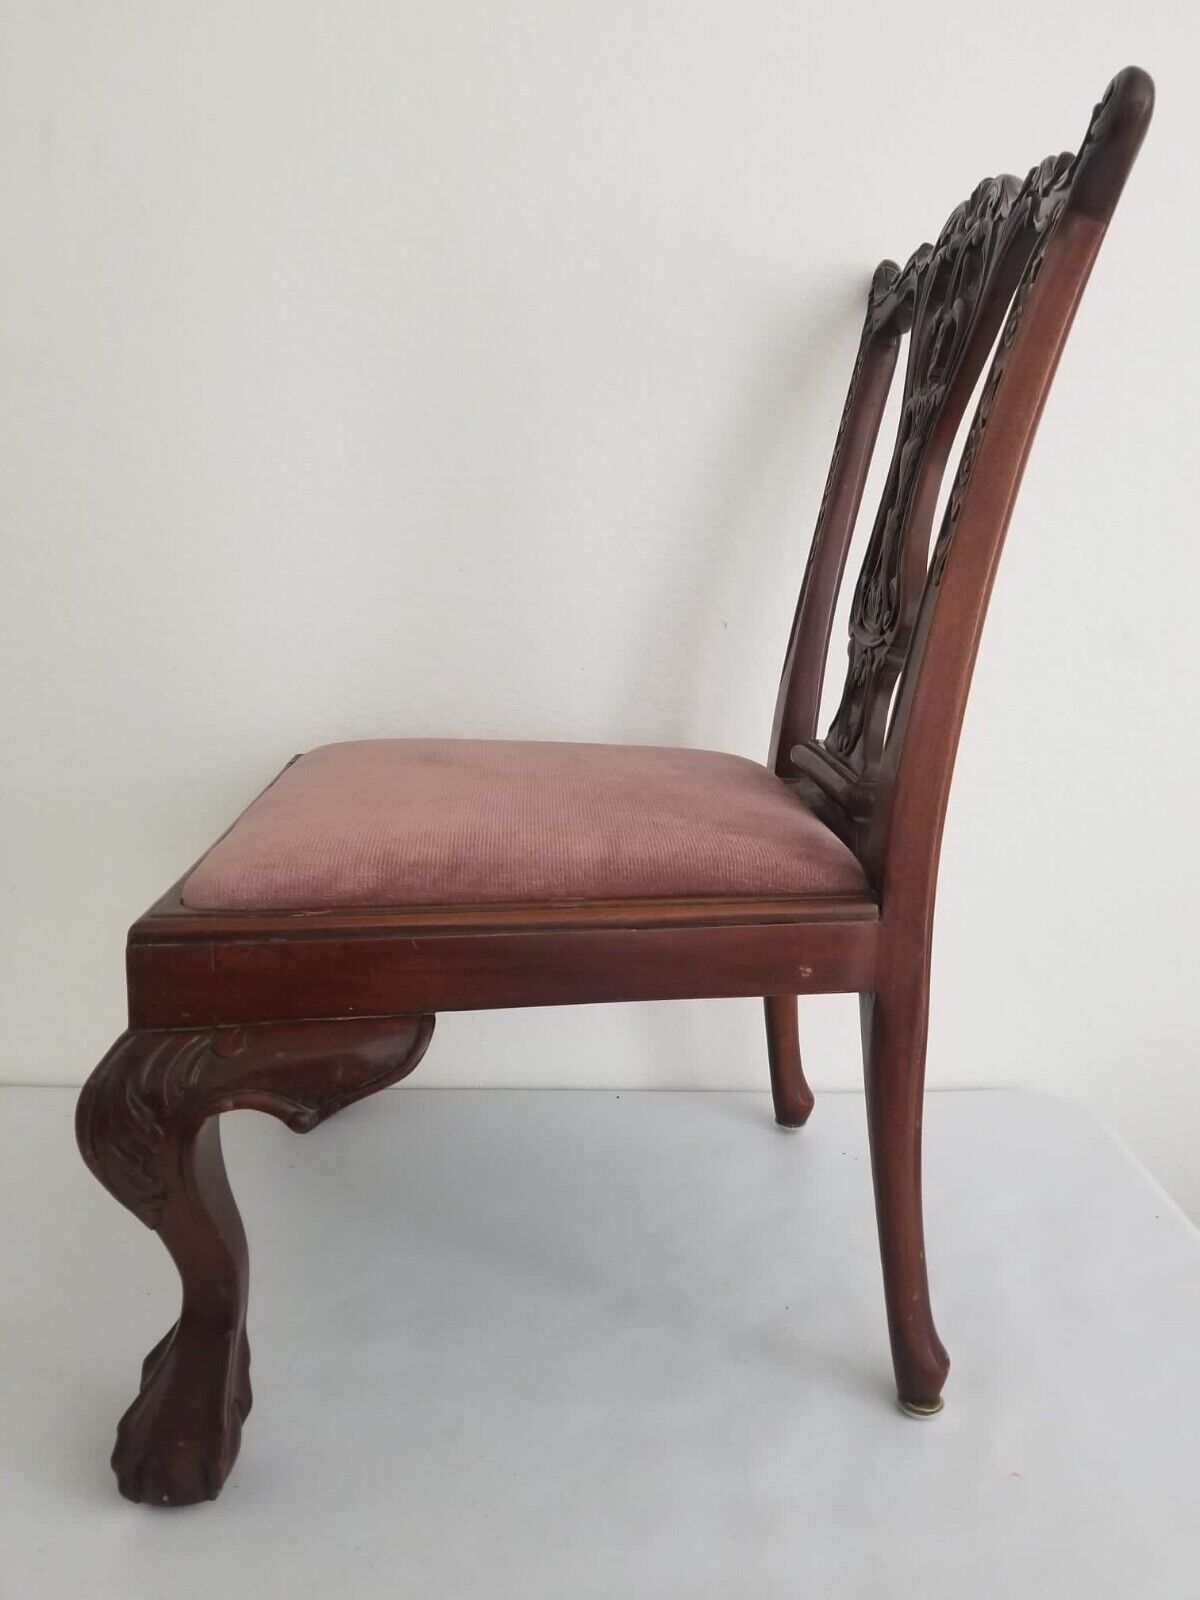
406	822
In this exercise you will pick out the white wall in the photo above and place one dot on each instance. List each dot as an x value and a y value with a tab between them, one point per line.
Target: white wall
472	367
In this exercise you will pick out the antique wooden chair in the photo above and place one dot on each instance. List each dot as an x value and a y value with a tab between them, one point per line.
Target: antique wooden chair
300	964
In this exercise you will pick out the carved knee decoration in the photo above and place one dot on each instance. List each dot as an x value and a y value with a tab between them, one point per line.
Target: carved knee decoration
146	1125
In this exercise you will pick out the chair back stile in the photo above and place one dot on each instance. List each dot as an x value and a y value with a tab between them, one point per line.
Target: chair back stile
1004	275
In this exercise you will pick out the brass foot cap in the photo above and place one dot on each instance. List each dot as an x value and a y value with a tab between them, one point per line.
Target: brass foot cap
921	1408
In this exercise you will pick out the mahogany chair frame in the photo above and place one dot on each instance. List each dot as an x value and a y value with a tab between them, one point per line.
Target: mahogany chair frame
299	1014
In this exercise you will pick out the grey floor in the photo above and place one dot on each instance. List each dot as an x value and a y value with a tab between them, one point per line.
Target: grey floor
584	1344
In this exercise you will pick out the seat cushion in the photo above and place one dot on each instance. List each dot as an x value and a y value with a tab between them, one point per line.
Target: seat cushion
408	822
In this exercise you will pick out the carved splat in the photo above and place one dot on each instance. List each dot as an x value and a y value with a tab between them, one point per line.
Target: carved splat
943	296
951	298
1048	196
147	1127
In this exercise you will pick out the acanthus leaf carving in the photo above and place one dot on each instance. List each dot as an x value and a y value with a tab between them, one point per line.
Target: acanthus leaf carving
948	295
153	1088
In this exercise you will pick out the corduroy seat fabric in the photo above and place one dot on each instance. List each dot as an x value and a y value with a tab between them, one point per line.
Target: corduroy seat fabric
408	822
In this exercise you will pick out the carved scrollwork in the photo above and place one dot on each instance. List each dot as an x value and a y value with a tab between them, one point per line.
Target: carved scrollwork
953	295
979	422
943	294
1049	187
153	1085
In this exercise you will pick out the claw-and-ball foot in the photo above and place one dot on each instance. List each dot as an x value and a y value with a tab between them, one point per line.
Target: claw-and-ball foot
178	1441
148	1128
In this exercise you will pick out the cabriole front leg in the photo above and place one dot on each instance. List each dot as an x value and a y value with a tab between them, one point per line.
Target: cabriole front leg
147	1127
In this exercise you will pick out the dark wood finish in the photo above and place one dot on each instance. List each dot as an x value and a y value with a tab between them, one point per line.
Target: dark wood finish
299	1014
894	1025
147	1127
792	1097
799	704
207	982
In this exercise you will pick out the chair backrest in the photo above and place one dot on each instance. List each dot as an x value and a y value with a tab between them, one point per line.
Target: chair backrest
1005	275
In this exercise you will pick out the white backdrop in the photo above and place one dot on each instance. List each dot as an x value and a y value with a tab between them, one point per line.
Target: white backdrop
472	367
